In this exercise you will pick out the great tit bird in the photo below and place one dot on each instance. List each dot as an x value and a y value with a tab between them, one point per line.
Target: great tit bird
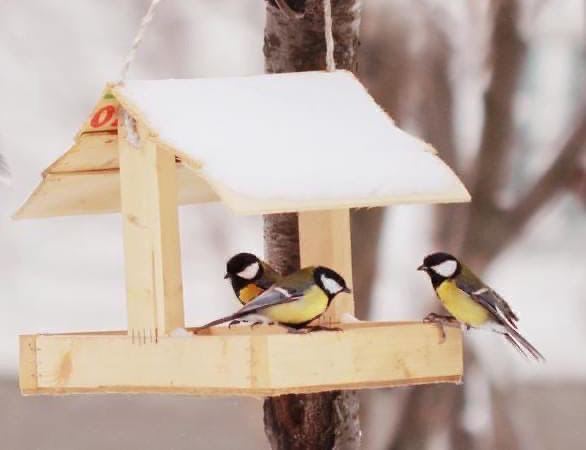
249	276
471	302
294	301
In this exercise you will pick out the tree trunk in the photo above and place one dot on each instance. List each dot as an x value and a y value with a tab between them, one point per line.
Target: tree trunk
326	420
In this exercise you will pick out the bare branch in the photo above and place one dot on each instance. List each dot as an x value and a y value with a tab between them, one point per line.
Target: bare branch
551	182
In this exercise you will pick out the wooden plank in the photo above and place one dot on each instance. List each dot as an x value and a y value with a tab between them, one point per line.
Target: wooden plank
104	116
148	189
324	239
28	364
91	151
73	194
66	192
245	205
264	361
98	192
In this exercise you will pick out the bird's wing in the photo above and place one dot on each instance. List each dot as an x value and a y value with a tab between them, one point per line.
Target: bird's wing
504	307
276	295
500	311
487	297
288	289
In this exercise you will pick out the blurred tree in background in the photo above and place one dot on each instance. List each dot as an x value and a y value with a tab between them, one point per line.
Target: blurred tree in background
412	60
466	75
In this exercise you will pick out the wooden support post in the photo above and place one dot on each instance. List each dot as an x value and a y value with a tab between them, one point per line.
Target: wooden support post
148	189
324	239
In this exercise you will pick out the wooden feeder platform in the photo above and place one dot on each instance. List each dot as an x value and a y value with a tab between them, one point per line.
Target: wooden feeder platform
152	145
263	362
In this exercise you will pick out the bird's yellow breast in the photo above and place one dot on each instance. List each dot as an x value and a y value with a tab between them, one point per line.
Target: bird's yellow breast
311	305
249	292
461	305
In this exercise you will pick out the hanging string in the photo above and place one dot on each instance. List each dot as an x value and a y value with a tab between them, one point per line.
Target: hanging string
330	61
148	17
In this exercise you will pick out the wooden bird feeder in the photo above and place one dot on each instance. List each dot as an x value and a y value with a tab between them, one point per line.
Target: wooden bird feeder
260	145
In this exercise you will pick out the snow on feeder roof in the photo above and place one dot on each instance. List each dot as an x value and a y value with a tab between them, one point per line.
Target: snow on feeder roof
260	144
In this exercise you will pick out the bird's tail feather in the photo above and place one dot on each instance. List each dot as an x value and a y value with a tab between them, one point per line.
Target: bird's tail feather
219	321
523	345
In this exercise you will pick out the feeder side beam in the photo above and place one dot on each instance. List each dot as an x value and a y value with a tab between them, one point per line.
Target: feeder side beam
148	188
324	239
28	376
266	361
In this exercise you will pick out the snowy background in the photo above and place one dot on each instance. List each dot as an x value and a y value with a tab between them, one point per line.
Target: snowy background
66	274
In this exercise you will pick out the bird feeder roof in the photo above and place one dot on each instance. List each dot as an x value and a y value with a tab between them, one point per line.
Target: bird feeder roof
260	144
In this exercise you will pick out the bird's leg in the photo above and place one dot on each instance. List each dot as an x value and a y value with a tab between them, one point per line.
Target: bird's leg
441	321
256	323
312	328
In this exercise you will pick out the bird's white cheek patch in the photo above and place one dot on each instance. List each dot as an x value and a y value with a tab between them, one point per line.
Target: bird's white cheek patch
447	268
250	272
332	286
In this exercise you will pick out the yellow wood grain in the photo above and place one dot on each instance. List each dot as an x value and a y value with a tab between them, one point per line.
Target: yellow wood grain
98	192
324	239
91	152
28	364
244	205
148	189
264	361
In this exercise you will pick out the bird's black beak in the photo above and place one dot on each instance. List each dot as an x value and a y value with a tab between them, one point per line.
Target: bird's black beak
226	276
347	290
422	267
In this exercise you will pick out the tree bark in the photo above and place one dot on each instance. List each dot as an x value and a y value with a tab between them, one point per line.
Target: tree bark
326	420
